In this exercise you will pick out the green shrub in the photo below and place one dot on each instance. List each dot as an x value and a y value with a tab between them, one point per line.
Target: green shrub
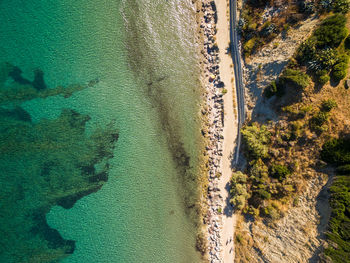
322	80
296	201
287	189
249	46
326	58
331	32
339	223
343	58
252	26
306	51
320	118
347	43
238	190
271	212
253	211
239	178
239	238
341	6
304	110
258	169
256	138
294	78
279	171
344	169
264	194
321	72
336	151
328	105
271	90
339	71
317	122
297	129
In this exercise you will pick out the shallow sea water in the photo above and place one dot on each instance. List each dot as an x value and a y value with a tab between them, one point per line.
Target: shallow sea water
144	55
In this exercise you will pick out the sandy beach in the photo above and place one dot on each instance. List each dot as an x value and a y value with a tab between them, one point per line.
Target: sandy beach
220	100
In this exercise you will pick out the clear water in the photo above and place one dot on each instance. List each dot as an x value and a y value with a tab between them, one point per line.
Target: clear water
144	54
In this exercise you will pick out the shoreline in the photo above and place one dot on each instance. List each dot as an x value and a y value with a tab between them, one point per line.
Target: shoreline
220	127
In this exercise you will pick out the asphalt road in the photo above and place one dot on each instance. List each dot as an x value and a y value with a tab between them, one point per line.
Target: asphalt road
236	58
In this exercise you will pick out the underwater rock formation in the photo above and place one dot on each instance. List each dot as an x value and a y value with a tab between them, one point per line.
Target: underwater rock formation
51	162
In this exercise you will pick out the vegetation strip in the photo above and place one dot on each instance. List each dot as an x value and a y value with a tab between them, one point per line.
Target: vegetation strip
284	155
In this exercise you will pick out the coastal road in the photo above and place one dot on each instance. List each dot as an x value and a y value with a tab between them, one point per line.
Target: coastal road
236	58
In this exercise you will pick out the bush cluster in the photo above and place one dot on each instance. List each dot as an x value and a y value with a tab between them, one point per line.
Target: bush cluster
328	105
339	71
337	152
331	32
249	46
321	117
271	90
295	78
320	54
341	6
347	43
290	77
268	181
238	190
256	139
279	171
323	79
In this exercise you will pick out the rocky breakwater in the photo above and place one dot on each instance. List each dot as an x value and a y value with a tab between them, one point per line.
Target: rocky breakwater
215	115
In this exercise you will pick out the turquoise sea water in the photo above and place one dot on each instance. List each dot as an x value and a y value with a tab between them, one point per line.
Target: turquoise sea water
144	55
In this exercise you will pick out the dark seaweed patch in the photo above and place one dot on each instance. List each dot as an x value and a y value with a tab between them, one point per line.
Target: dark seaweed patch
17	113
55	240
51	162
16	75
68	202
38	82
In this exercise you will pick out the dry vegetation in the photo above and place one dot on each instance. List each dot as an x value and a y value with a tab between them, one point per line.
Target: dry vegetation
284	156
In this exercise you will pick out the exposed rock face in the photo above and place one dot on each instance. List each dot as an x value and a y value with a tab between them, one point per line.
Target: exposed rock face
51	162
